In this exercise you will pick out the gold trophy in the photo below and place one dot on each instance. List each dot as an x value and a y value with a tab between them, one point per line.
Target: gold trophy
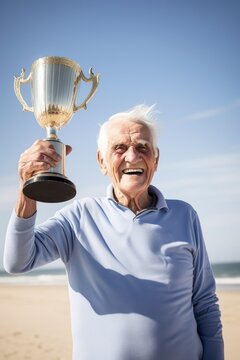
54	84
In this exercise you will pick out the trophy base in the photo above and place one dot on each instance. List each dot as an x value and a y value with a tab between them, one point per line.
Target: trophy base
49	188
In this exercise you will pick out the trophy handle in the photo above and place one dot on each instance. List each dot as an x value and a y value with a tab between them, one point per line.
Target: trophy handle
95	81
17	84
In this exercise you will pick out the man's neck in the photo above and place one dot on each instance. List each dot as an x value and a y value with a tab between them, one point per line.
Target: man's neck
136	203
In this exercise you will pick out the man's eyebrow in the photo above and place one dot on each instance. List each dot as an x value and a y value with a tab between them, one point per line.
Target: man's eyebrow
143	142
136	142
117	143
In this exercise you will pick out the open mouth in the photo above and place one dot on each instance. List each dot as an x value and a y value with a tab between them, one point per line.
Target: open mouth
137	171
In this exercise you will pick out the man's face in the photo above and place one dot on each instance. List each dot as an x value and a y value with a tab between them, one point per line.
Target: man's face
130	159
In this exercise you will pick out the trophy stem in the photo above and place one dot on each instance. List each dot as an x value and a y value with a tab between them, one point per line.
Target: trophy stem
51	133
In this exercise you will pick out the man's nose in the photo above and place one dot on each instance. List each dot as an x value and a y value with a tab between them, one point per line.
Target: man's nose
131	155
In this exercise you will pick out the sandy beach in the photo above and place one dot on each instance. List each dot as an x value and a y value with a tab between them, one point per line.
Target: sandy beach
35	323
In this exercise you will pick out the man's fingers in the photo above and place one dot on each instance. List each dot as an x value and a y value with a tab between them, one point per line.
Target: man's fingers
45	148
28	169
68	149
41	156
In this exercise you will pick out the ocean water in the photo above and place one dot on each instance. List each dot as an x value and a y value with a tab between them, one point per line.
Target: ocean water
227	277
42	276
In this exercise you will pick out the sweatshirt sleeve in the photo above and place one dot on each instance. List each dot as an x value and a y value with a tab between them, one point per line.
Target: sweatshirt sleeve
28	246
206	309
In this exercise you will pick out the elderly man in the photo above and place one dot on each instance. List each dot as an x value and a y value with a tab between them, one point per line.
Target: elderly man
140	282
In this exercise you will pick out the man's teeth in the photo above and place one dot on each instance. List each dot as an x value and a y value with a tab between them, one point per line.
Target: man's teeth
133	171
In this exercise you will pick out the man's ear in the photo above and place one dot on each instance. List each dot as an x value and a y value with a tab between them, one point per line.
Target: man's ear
157	158
101	163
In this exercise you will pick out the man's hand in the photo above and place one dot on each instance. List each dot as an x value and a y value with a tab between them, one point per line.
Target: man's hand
41	156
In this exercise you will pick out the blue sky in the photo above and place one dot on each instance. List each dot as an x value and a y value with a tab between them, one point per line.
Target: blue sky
183	56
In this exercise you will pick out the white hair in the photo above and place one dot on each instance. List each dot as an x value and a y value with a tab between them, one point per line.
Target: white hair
141	114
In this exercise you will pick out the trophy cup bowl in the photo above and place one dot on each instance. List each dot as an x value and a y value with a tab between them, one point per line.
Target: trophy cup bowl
54	84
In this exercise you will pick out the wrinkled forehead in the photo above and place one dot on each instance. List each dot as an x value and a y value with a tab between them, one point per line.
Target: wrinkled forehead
122	130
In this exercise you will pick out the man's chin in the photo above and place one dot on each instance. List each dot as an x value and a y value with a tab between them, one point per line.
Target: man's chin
132	187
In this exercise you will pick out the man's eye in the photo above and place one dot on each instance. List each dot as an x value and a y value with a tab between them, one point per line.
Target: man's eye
120	149
142	148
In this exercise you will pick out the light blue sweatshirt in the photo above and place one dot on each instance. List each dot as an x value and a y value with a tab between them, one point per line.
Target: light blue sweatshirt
141	286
